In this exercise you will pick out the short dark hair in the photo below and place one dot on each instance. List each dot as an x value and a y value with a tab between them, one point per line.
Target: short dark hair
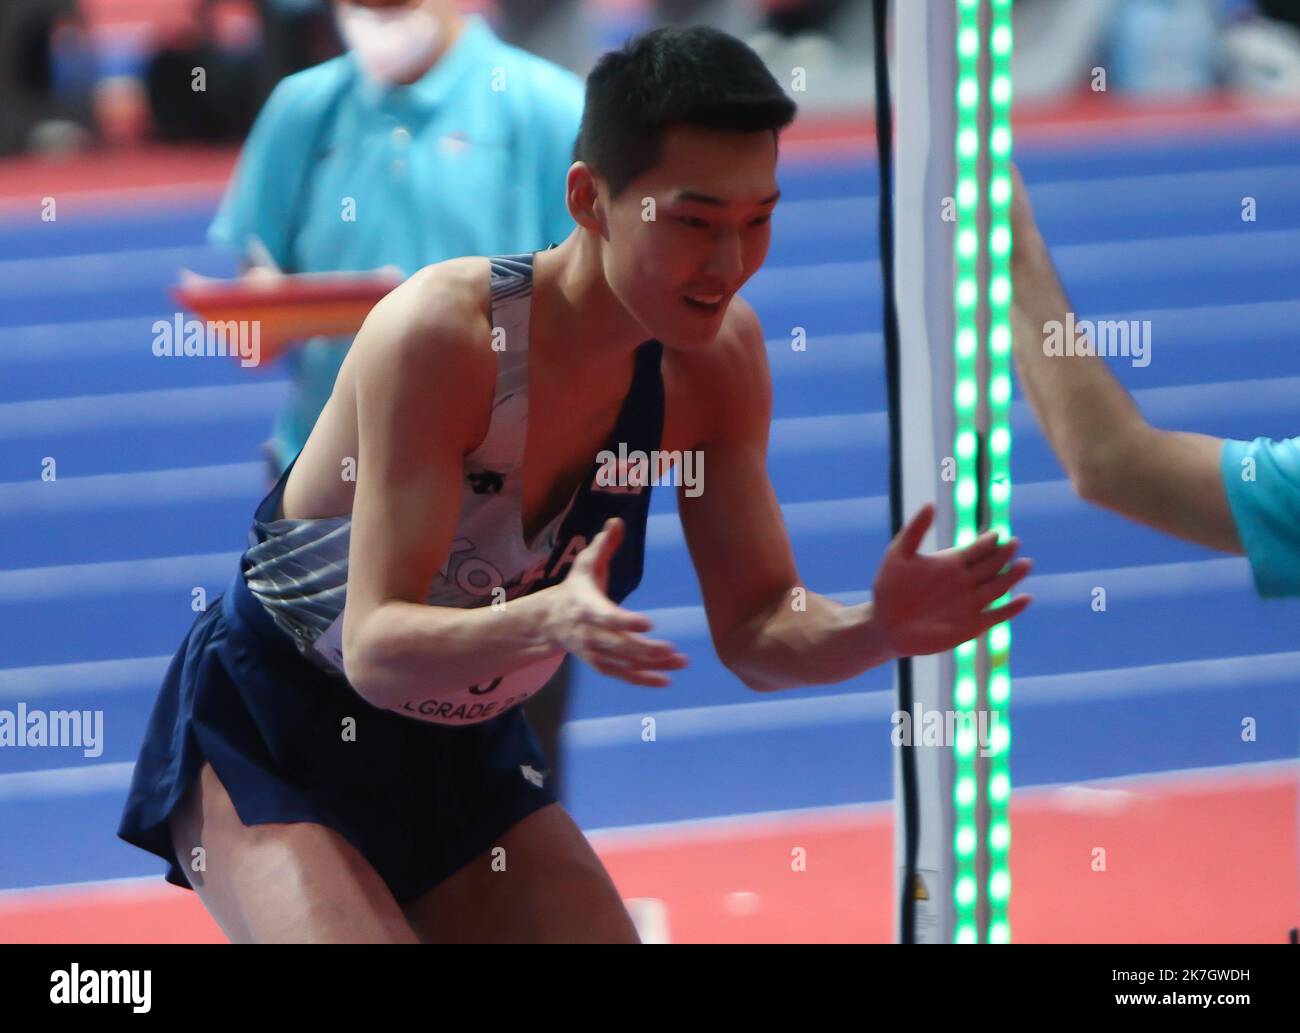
697	76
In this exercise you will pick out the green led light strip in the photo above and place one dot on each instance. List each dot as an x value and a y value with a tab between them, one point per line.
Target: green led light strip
966	347
999	402
965	444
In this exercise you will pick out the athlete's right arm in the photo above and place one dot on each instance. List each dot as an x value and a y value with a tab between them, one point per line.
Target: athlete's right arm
424	380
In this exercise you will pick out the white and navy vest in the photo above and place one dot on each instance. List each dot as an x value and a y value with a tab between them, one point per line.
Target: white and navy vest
298	569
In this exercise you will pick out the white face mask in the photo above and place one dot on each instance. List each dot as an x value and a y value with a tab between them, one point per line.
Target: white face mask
391	44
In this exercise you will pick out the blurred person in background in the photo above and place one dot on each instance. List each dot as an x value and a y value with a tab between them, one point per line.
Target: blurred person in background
204	79
784	33
245	49
46	77
800	32
429	139
296	34
1260	47
1165	49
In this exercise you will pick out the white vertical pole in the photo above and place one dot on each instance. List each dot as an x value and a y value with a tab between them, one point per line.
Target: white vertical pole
925	174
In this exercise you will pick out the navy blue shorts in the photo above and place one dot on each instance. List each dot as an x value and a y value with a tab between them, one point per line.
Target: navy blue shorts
419	801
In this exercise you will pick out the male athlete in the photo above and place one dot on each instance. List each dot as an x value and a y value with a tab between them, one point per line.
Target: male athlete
1235	496
321	772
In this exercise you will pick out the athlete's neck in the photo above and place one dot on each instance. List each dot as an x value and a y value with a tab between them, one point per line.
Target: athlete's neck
577	321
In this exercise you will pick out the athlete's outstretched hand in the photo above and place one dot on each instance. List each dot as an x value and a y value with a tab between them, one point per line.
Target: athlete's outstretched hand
583	620
928	604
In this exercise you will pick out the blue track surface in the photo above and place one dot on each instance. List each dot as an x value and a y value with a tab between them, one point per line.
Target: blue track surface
158	478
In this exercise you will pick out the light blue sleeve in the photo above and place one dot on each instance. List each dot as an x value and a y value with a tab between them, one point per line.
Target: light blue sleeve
1262	480
263	195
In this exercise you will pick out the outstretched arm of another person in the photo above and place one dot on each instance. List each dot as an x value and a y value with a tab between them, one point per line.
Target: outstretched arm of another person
1169	480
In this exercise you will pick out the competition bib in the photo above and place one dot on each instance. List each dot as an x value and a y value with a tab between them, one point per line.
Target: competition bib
470	705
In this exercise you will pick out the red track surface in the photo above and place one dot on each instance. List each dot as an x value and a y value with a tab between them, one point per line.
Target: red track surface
1201	860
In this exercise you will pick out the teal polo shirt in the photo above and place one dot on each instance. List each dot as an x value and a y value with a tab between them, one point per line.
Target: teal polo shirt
1265	498
341	174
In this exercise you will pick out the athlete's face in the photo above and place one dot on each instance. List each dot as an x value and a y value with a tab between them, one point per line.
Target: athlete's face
686	235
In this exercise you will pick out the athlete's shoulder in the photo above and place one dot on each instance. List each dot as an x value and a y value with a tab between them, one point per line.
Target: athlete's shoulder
437	320
741	328
744	352
729	381
444	295
738	349
424	358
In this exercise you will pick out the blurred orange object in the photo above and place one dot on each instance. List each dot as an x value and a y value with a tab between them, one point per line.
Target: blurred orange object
286	307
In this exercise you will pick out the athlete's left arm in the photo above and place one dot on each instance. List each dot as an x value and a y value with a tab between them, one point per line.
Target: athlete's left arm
767	627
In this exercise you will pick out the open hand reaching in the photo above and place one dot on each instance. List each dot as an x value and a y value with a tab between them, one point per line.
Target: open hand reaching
929	604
